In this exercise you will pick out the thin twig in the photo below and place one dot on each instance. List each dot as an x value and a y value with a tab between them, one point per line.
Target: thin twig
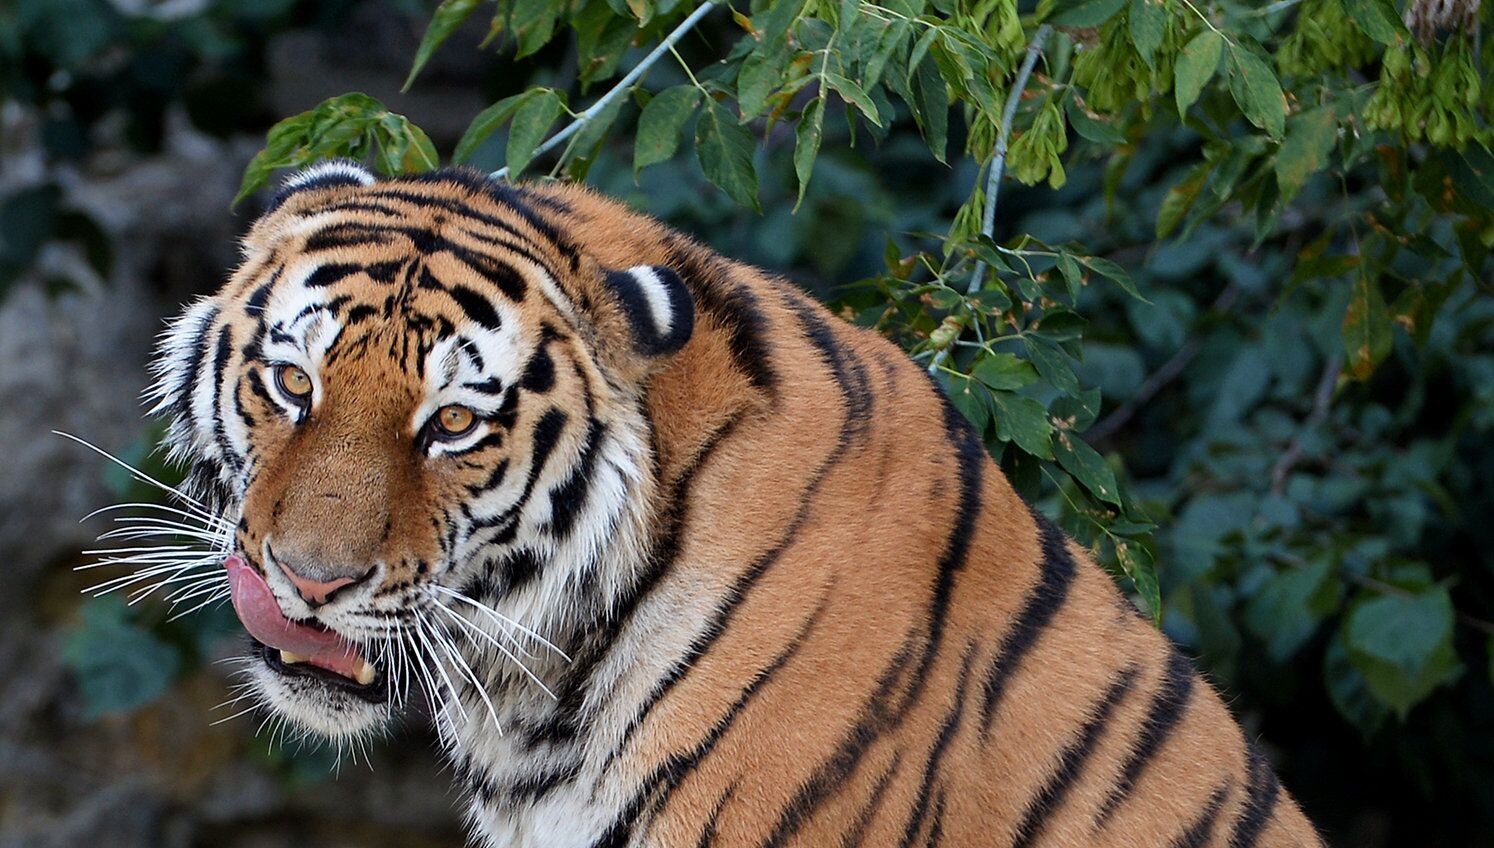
1003	143
997	167
1321	400
622	86
1380	587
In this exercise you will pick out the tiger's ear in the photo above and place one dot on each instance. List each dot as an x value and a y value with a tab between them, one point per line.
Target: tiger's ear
655	305
333	172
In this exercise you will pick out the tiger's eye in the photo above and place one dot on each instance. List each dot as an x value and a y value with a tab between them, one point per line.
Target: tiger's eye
293	381
454	420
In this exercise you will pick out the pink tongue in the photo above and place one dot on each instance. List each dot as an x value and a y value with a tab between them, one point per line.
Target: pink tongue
261	615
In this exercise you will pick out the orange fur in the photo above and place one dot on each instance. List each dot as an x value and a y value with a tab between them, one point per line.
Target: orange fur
877	566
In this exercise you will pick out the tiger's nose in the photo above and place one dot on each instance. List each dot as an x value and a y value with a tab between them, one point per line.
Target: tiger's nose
315	593
318	592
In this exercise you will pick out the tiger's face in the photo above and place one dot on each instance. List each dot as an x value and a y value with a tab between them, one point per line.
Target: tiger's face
421	409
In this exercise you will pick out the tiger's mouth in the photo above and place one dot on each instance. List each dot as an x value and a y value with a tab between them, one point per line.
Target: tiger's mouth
299	648
374	690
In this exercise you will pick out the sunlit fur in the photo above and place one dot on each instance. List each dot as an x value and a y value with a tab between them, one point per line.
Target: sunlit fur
715	568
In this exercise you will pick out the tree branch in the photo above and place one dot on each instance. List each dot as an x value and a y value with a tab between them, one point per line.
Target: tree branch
622	87
997	167
1160	378
1320	402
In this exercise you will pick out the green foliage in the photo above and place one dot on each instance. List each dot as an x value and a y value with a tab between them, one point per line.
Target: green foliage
118	664
358	126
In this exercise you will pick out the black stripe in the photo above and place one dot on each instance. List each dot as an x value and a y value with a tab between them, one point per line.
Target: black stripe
477	308
850	372
539	372
499	273
708	833
345	235
936	755
1261	792
568	499
188	386
877	715
1071	762
494	478
1037	613
220	429
565	248
677	767
604	627
857	834
331	273
1198	833
744	582
733	306
532	788
1167	709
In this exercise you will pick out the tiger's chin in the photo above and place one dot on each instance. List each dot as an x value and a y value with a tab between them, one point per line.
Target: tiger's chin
319	701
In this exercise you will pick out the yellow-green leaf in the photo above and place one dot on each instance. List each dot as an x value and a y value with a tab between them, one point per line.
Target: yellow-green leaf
1195	67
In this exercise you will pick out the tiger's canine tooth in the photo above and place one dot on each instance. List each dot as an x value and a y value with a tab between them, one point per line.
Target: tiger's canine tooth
291	659
365	673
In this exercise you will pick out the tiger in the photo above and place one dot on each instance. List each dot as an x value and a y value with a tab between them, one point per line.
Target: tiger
676	556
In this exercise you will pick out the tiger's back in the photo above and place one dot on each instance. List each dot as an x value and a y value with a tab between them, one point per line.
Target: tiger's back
798	603
875	640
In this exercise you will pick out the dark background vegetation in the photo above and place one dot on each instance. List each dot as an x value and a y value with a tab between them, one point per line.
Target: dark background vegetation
1323	544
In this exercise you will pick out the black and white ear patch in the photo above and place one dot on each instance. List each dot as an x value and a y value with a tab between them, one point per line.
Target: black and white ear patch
333	172
657	306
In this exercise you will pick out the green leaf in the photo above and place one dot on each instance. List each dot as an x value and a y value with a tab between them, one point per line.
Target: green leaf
1179	199
1366	328
1378	20
533	23
1404	630
807	137
932	107
1140	566
1282	612
282	149
971	400
1004	371
1195	67
725	150
1024	421
1051	363
660	124
1349	691
854	95
1309	140
531	121
1256	91
444	21
760	72
1148	20
1115	273
1091	128
486	123
118	665
1086	465
1084	13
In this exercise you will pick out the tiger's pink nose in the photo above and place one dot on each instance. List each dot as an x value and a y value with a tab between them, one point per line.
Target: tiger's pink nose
312	591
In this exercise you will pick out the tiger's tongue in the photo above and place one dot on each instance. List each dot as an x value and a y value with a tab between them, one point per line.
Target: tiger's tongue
261	615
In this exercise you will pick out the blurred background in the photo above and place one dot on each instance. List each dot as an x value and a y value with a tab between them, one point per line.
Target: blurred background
1284	509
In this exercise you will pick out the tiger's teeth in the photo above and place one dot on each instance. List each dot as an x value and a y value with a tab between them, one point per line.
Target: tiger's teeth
365	673
291	659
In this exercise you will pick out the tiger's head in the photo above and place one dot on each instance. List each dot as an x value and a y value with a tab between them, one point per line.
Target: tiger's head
420	407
